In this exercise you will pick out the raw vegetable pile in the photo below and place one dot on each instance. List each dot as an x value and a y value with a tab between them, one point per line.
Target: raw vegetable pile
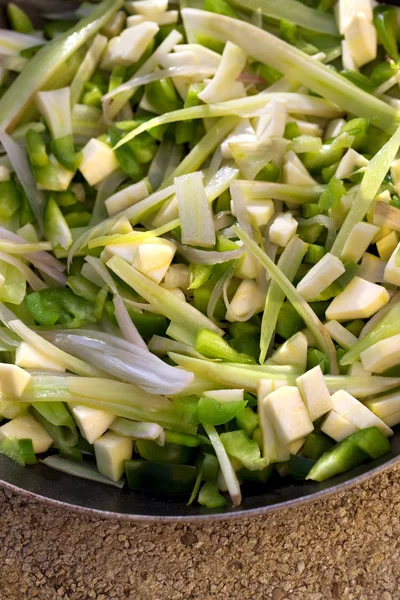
199	247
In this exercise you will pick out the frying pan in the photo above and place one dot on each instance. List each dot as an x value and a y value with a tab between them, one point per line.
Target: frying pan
43	483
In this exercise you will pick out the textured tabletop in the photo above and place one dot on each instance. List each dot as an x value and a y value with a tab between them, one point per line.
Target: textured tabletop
345	547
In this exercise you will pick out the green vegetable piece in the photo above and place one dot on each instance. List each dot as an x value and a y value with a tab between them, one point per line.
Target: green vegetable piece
331	197
36	149
170	453
211	345
289	322
9	200
363	445
210	467
248	343
59	425
299	467
143	147
329	154
329	172
163	96
20	451
314	254
309	233
26	213
209	495
65	199
77	219
182	439
360	80
268	173
63	150
160	478
351	270
383	71
247	420
59	305
269	74
13	289
199	275
385	21
355	327
316	444
311	210
238	329
56	27
292	130
18	19
290	33
359	129
343	369
220	7
55	226
117	77
316	358
213	412
256	478
239	445
126	157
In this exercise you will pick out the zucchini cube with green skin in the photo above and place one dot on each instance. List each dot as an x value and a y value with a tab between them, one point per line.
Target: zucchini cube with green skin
24	428
112	450
382	356
98	161
292	352
360	300
357	413
288	414
29	357
13	380
92	423
314	392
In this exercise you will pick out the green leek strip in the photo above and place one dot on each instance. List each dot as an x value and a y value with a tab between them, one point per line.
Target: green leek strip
203	149
48	61
173	308
295	103
18	248
370	184
298	194
229	474
82	470
294	63
135	236
87	67
288	263
361	386
321	336
232	374
294	11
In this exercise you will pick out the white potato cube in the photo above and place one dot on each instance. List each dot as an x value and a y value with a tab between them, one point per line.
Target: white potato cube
270	446
314	392
112	450
122	226
360	300
372	268
127	48
260	211
292	352
92	423
243	132
283	229
154	258
382	355
387	245
147	8
249	267
98	161
24	428
13	380
337	427
223	86
288	414
320	276
28	357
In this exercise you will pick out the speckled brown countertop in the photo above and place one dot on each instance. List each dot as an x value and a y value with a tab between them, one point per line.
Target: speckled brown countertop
345	547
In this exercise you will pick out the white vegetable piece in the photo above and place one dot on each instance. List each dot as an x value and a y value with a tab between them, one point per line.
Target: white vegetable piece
13	380
167	18
337	427
153	258
273	121
288	414
357	413
98	161
177	276
347	58
334	128
340	334
346	10
292	352
350	162
294	172
29	233
271	448
4	173
392	271
360	35
360	238
320	276
197	225
243	132
111	451
372	268
283	229
223	85
147	8
91	275
260	211
224	395
359	300
64	177
385	405
248	299
307	128
127	197
314	392
92	423
395	173
392	420
296	446
387	245
127	48
357	370
203	55
24	428
382	355
28	357
122	226
249	267
176	292
55	107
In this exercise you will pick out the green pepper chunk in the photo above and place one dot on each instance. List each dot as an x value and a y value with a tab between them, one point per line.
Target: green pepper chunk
220	7
163	96
126	157
289	322
210	497
211	345
385	21
299	467
182	439
247	451
170	453
36	148
9	200
64	151
18	19
59	424
210	467
59	305
360	80
213	412
331	197
247	420
19	450
315	445
160	478
362	445
199	275
269	172
83	287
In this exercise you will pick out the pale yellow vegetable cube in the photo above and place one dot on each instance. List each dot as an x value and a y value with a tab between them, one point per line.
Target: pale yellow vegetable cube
91	422
224	395
314	392
28	357
283	229
260	211
248	299
111	452
392	271
359	300
13	380
288	414
337	427
292	352
382	355
359	239
340	334
98	161
320	276
24	428
387	245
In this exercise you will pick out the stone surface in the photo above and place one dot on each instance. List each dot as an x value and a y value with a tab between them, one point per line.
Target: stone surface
343	548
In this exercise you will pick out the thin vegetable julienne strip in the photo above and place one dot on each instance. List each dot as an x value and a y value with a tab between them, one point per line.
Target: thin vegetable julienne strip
48	60
371	182
322	337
